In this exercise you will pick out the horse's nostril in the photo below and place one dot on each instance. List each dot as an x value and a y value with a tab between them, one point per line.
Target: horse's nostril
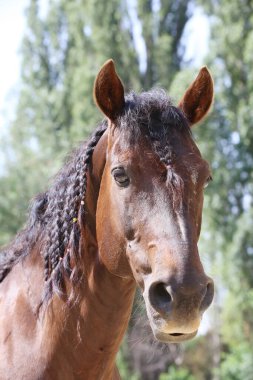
208	287
164	299
160	297
162	293
208	297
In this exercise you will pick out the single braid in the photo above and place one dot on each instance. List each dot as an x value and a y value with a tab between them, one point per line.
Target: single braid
78	188
52	253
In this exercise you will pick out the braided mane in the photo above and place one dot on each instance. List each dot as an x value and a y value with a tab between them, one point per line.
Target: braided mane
54	214
53	222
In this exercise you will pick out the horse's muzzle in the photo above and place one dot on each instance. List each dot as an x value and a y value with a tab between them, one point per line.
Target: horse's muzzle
175	312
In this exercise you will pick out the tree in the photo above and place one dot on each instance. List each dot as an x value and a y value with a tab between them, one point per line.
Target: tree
228	143
162	28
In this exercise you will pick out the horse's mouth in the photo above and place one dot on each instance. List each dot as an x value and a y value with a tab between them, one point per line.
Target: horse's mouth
174	337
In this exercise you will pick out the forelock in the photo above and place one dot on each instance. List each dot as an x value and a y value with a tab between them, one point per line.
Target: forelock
151	114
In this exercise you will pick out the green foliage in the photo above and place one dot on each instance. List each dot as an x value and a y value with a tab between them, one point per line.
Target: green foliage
176	374
18	187
237	364
123	365
162	29
227	143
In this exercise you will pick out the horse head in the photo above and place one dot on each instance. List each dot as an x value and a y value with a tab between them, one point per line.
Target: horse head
151	197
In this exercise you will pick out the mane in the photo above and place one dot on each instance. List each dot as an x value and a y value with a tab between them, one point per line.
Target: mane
53	219
53	222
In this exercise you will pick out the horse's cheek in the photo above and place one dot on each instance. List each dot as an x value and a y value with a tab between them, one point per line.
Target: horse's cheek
112	251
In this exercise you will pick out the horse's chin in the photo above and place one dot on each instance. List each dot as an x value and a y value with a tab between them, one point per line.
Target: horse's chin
174	337
170	331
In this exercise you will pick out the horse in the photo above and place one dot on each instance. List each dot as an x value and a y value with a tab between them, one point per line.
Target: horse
124	212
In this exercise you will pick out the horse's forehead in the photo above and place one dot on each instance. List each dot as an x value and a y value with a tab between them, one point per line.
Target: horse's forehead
130	143
177	153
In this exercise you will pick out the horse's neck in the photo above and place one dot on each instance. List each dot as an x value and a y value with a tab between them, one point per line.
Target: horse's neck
89	333
69	342
95	326
104	315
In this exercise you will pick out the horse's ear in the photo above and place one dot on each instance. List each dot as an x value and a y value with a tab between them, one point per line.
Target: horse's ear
198	97
109	91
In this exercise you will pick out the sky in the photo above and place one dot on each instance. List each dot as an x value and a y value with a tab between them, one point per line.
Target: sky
12	29
12	26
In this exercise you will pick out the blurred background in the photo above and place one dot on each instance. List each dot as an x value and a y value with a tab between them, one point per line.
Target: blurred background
50	54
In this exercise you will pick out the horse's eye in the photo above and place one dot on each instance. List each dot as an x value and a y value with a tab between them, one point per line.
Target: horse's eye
208	180
120	177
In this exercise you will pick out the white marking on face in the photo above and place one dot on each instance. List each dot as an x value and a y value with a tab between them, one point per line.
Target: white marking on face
182	228
194	177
